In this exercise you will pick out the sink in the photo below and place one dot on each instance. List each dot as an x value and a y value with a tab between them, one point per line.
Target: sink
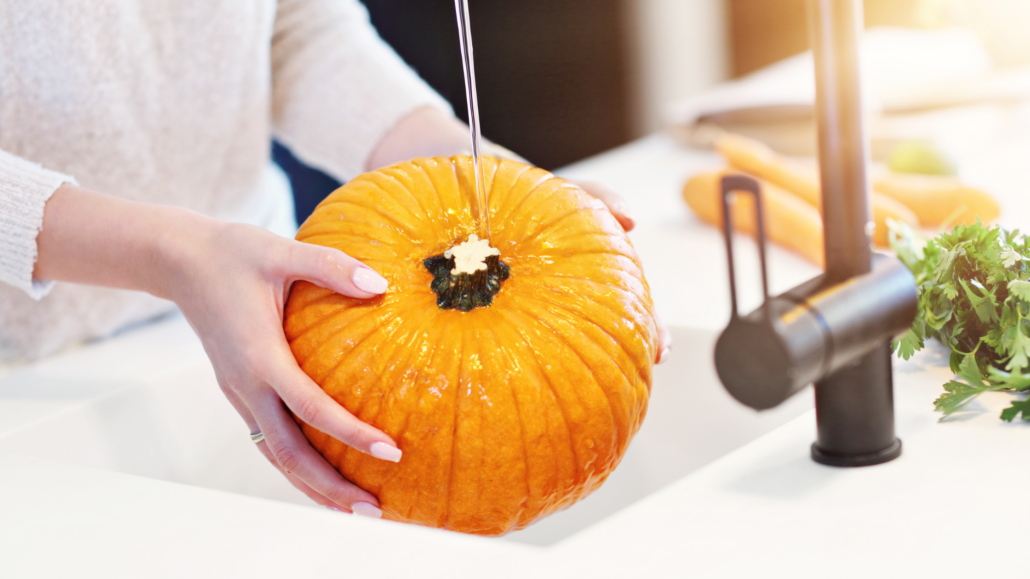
176	426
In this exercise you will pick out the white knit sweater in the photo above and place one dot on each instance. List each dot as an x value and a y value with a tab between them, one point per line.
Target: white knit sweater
173	102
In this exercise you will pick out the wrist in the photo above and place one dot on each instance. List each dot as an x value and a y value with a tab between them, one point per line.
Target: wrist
177	249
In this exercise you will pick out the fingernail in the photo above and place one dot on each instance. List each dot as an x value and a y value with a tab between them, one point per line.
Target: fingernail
366	510
385	451
623	208
335	509
663	356
369	281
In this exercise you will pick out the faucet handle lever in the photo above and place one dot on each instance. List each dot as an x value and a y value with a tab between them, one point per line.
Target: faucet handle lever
744	184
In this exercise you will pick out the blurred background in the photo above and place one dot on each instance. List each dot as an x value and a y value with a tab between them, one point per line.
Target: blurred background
560	80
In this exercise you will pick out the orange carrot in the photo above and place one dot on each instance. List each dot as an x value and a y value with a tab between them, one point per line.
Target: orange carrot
789	221
939	200
754	157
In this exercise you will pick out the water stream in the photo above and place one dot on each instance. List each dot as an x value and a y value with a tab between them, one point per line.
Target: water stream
465	36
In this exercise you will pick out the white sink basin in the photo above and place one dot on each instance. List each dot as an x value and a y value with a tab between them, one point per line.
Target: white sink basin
177	426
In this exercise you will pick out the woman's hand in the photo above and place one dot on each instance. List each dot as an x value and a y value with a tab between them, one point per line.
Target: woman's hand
233	288
231	282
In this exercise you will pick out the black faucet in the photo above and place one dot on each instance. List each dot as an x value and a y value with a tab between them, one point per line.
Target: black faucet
834	330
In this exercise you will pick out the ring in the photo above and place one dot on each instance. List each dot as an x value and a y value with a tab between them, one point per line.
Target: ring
256	437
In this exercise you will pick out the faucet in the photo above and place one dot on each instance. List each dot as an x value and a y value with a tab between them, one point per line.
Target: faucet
835	329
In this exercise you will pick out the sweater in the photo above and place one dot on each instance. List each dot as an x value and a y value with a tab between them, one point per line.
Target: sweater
174	102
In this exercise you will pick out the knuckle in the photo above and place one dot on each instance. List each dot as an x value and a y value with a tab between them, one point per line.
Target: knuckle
233	383
310	410
287	458
342	494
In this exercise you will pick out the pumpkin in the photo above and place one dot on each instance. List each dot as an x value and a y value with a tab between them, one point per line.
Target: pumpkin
513	389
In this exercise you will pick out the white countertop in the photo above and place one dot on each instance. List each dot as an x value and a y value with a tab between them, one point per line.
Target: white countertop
85	490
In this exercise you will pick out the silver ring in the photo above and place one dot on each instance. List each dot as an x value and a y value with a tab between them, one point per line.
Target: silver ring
256	437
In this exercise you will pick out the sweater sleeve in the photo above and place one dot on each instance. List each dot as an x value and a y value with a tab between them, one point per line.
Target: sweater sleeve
337	87
25	188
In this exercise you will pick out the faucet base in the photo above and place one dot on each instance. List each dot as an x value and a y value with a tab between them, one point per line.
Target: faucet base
881	456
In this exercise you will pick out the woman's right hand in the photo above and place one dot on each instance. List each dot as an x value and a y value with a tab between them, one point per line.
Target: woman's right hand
233	288
231	282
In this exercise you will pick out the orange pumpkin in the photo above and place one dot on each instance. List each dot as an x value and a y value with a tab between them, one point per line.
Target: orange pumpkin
515	390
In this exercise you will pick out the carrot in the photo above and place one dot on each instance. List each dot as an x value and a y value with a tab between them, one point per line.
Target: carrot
939	200
754	157
789	221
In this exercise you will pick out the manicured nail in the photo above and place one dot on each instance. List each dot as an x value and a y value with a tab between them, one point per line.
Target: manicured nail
335	509
366	510
623	208
663	356
385	451
369	281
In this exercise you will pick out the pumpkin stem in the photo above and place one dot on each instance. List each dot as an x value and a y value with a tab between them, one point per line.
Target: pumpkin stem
468	275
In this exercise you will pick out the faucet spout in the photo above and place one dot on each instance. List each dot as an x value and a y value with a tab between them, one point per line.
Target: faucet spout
834	330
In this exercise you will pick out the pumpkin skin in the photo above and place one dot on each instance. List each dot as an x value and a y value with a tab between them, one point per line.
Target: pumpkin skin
504	413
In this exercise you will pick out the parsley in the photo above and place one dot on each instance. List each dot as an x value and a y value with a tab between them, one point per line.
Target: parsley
974	296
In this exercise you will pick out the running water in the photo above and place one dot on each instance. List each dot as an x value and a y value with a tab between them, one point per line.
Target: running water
482	200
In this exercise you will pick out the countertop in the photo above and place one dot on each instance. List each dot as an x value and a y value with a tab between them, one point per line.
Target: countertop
950	506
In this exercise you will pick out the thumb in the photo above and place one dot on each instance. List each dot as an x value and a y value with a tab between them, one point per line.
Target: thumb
335	270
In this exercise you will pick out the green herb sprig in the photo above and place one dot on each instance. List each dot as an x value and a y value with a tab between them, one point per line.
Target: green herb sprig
974	296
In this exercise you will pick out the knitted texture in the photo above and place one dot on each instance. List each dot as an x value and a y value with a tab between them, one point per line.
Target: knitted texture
174	102
24	190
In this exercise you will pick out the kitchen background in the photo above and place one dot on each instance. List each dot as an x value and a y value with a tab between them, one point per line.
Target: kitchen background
560	80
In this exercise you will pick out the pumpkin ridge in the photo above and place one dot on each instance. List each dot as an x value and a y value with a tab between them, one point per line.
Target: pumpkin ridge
355	348
301	288
545	404
454	434
522	433
442	180
602	235
544	227
392	177
505	195
427	321
329	320
520	329
396	472
393	345
352	456
531	194
378	191
429	178
356	236
396	344
603	330
523	208
399	226
586	280
605	394
470	191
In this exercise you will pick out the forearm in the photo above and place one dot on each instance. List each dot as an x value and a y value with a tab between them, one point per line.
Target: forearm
427	132
97	239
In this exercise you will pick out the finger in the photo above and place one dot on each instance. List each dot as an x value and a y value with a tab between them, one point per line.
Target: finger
292	451
237	403
262	447
333	269
616	204
313	406
664	342
300	485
